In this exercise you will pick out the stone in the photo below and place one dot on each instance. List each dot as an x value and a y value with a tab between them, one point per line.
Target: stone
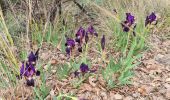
167	95
136	95
128	98
165	60
167	80
118	96
166	85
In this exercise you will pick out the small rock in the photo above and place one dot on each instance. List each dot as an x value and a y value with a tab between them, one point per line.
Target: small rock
136	95
168	93
141	98
53	71
118	97
128	98
167	80
166	85
162	91
165	60
159	56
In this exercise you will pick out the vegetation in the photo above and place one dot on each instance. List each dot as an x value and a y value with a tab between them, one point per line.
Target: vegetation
84	38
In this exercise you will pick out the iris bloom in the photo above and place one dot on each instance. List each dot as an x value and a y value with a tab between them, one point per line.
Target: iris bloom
130	20
32	58
150	19
92	31
103	42
83	69
86	37
80	35
28	71
70	44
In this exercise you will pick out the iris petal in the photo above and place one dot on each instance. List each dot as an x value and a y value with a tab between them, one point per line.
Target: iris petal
84	68
150	19
38	73
30	71
103	42
30	82
92	31
31	57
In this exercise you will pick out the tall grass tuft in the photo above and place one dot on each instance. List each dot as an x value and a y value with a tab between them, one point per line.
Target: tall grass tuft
8	65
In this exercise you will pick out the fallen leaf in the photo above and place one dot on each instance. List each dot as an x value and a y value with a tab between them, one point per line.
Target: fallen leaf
53	62
92	81
142	90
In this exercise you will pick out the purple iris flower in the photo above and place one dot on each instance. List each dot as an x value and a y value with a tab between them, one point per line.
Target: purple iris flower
28	70
130	20
32	58
80	35
70	44
84	68
151	18
103	42
92	31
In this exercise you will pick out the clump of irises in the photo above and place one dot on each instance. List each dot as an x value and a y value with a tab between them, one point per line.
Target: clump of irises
28	69
81	36
129	23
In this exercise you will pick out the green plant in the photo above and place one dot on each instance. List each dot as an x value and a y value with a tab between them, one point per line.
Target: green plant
120	72
63	71
42	91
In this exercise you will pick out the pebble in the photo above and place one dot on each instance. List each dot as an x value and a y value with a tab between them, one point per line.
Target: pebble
167	80
118	97
166	85
128	98
136	95
168	94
